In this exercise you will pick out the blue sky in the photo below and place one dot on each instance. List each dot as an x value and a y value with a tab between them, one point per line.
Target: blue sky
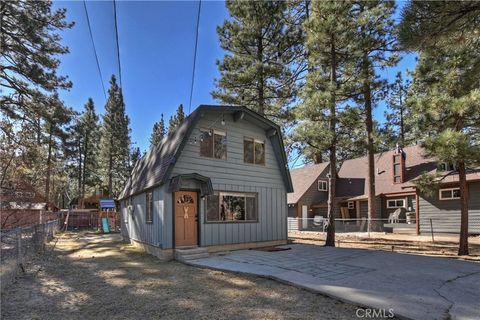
156	49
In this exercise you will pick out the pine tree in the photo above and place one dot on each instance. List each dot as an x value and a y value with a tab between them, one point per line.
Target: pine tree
327	88
115	141
158	133
374	43
175	120
85	135
58	116
259	69
446	85
30	53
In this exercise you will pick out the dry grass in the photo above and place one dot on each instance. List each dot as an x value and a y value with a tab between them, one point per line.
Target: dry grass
91	276
443	246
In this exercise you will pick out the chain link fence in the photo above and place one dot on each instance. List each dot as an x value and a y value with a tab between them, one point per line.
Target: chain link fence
21	245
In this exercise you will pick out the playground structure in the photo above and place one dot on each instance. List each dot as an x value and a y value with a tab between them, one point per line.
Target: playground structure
106	218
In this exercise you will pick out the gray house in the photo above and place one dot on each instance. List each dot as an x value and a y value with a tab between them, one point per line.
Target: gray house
219	181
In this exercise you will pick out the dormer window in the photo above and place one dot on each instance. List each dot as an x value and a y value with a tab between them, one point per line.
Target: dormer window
322	185
398	168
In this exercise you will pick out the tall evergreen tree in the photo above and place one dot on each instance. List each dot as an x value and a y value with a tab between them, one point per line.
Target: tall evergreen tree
175	120
158	133
259	69
115	141
29	56
446	85
374	43
58	116
86	134
397	117
327	88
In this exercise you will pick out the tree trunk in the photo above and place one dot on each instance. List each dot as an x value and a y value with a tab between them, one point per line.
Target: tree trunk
260	86
80	199
330	240
110	169
49	166
462	177
85	152
367	95
402	127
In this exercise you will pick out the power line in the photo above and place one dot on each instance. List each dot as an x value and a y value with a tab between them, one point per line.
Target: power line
94	49
195	55
118	46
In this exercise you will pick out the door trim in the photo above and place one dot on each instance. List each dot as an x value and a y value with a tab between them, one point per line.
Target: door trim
199	244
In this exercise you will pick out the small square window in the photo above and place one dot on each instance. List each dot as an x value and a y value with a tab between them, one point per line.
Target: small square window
351	205
322	185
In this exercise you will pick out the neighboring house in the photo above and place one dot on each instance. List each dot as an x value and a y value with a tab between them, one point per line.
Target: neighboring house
219	181
310	185
22	206
395	175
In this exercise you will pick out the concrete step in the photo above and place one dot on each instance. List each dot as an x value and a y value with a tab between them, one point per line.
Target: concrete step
185	254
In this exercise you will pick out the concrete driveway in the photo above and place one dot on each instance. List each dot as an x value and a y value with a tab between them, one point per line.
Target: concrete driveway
410	286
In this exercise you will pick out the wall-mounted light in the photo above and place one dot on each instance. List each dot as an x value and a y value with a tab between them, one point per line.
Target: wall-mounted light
223	119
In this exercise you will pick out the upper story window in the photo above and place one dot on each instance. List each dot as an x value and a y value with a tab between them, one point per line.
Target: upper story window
449	194
322	185
213	144
149	207
254	151
445	166
398	164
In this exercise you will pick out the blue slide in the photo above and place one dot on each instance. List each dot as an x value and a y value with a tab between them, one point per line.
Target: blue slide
105	226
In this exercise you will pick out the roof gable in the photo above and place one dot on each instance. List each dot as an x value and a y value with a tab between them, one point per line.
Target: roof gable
303	178
154	168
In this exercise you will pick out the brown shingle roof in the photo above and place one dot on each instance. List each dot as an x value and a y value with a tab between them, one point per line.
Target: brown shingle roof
303	178
353	174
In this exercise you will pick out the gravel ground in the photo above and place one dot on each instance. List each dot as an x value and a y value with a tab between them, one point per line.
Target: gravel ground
89	276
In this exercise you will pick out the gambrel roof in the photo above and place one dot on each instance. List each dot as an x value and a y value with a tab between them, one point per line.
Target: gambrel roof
154	168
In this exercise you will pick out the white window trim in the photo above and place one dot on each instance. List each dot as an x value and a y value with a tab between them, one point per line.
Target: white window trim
320	184
395	206
451	192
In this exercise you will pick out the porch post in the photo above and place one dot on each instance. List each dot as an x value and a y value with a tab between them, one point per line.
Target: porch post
417	211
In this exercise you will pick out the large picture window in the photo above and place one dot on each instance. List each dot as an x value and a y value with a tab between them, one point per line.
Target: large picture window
253	151
231	207
149	207
213	144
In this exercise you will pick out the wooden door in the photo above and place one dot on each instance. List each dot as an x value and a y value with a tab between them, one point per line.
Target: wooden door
186	218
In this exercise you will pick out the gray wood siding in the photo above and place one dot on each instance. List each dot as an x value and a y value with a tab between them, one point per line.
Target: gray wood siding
445	214
234	175
136	228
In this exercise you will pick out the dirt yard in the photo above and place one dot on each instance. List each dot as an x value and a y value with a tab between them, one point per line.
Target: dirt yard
89	276
443	245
